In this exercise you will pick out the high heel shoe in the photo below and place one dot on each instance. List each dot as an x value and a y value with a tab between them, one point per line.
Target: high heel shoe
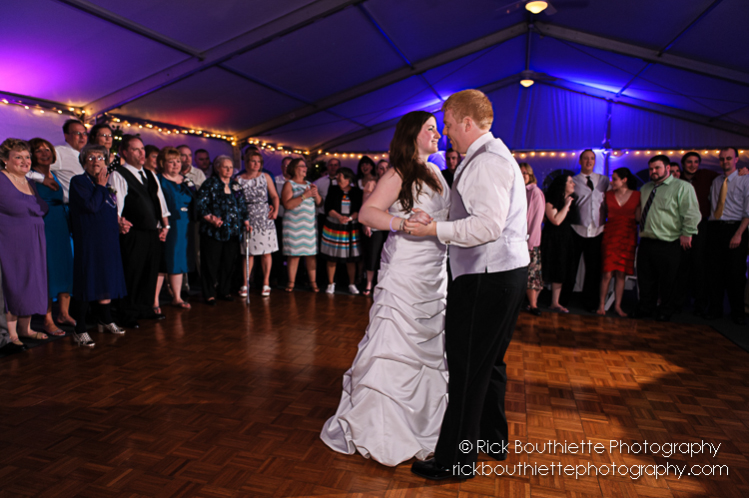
109	327
84	339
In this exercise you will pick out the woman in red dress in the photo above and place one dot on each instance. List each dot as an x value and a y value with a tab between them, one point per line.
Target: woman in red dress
620	235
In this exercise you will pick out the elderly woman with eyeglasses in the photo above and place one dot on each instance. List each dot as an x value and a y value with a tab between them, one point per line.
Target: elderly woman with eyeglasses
97	265
23	247
221	207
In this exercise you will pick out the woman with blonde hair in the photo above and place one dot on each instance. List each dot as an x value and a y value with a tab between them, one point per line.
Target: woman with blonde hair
179	193
300	197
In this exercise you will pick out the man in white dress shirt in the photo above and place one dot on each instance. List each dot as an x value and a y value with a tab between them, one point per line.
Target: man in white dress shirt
67	165
324	183
588	228
728	238
143	215
194	174
489	259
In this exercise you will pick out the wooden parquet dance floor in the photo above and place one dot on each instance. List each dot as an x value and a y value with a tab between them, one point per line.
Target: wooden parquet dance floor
229	402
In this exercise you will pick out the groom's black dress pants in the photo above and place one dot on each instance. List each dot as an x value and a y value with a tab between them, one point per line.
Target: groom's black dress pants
480	318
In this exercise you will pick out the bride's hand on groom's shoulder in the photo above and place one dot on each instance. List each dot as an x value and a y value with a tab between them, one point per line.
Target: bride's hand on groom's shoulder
420	216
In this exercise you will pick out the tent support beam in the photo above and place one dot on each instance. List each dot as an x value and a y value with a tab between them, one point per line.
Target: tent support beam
388	79
221	53
639	52
390	41
349	137
646	106
545	79
131	26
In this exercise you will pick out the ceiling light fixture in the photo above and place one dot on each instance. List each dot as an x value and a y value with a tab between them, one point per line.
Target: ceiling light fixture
527	78
536	6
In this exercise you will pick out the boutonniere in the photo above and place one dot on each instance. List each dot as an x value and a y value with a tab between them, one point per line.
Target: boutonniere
111	190
189	183
236	187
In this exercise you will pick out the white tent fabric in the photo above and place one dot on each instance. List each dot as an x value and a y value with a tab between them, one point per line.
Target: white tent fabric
335	75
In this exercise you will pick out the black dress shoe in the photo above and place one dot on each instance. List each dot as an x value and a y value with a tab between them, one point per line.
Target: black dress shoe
11	348
535	311
211	302
430	469
500	457
228	298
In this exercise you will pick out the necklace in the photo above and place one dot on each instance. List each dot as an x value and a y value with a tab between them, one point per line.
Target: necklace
19	182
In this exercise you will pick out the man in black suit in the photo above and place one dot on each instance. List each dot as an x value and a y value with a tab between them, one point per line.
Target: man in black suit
143	225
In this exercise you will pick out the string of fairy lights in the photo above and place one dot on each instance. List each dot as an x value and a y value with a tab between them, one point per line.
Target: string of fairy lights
127	123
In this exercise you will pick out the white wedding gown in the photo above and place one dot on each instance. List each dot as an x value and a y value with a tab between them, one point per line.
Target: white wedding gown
395	393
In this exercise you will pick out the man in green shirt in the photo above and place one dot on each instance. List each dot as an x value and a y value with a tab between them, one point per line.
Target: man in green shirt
669	219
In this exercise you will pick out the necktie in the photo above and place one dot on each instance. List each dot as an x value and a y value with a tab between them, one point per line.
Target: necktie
648	205
722	199
144	180
589	183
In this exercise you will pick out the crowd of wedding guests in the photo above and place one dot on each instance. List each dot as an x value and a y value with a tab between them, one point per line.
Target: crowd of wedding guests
146	223
684	234
114	233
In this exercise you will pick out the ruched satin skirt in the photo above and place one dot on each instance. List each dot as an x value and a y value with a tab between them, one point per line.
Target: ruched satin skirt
395	393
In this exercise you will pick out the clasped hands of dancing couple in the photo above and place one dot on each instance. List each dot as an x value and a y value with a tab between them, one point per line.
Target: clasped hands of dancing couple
394	405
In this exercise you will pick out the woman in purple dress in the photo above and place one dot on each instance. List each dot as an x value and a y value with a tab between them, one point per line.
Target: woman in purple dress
23	248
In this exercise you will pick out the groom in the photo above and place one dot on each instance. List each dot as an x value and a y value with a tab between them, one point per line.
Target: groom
489	257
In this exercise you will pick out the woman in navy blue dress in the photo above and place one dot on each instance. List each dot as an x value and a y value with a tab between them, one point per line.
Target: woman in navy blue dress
57	233
179	196
97	263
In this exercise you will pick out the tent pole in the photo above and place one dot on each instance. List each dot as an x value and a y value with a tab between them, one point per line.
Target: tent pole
607	137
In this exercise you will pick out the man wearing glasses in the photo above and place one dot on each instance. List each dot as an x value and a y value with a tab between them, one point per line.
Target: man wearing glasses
67	165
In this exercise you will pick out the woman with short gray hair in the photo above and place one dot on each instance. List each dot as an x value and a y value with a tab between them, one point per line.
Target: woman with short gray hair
98	276
223	214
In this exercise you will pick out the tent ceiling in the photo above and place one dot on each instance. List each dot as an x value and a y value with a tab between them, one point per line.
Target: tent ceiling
338	73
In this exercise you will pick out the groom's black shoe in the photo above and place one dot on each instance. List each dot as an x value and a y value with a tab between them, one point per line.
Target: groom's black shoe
500	457
430	469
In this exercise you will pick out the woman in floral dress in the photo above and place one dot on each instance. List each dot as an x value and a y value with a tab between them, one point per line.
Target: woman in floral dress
259	189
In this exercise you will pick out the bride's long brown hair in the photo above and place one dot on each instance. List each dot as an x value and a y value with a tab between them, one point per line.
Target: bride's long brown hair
404	157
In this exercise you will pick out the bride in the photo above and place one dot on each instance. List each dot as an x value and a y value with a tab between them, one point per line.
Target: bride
395	392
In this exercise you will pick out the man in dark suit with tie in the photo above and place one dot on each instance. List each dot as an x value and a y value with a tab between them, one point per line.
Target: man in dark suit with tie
143	225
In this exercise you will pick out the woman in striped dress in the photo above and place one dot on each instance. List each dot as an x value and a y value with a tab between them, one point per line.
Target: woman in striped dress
341	241
299	198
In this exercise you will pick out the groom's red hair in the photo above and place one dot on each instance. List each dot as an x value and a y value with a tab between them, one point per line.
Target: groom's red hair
471	103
